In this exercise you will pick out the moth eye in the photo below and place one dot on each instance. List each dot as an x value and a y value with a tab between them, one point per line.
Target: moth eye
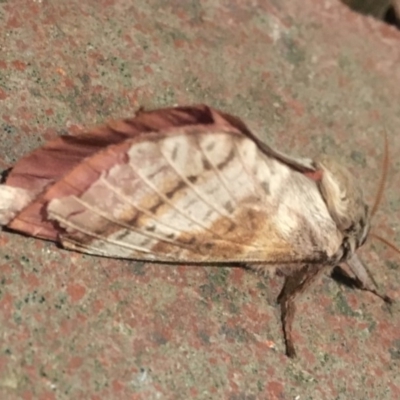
346	248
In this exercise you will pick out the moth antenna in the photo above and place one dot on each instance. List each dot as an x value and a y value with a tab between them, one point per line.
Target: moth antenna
385	167
385	241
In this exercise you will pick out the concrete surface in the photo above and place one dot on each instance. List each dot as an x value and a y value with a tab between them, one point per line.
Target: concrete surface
310	77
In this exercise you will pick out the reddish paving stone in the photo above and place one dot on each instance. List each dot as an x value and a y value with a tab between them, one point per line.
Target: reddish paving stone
310	77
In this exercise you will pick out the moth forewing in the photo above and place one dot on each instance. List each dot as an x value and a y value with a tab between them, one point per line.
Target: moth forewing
200	197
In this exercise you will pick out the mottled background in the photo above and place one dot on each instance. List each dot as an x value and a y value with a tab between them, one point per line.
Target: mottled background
308	76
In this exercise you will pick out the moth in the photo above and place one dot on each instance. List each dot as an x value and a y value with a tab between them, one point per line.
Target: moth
192	185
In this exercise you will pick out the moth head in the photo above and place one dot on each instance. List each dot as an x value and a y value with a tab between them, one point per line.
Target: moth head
344	199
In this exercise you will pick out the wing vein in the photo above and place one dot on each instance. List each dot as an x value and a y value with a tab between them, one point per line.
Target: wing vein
199	193
117	192
126	199
170	203
78	228
219	175
75	245
129	227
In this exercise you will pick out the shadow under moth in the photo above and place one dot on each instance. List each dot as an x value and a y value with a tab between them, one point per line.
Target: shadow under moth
193	185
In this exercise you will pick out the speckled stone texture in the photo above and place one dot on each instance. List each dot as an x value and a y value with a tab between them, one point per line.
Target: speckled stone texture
308	76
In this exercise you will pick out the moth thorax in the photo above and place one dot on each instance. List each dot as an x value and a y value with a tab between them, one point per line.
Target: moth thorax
344	199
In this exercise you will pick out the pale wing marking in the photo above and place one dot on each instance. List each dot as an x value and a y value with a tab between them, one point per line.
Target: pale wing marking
128	227
218	174
146	212
129	201
199	193
257	189
170	203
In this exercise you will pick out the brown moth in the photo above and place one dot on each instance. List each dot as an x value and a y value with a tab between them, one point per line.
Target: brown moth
192	185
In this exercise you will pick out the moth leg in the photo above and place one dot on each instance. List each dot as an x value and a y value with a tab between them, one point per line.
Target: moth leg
295	284
342	275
